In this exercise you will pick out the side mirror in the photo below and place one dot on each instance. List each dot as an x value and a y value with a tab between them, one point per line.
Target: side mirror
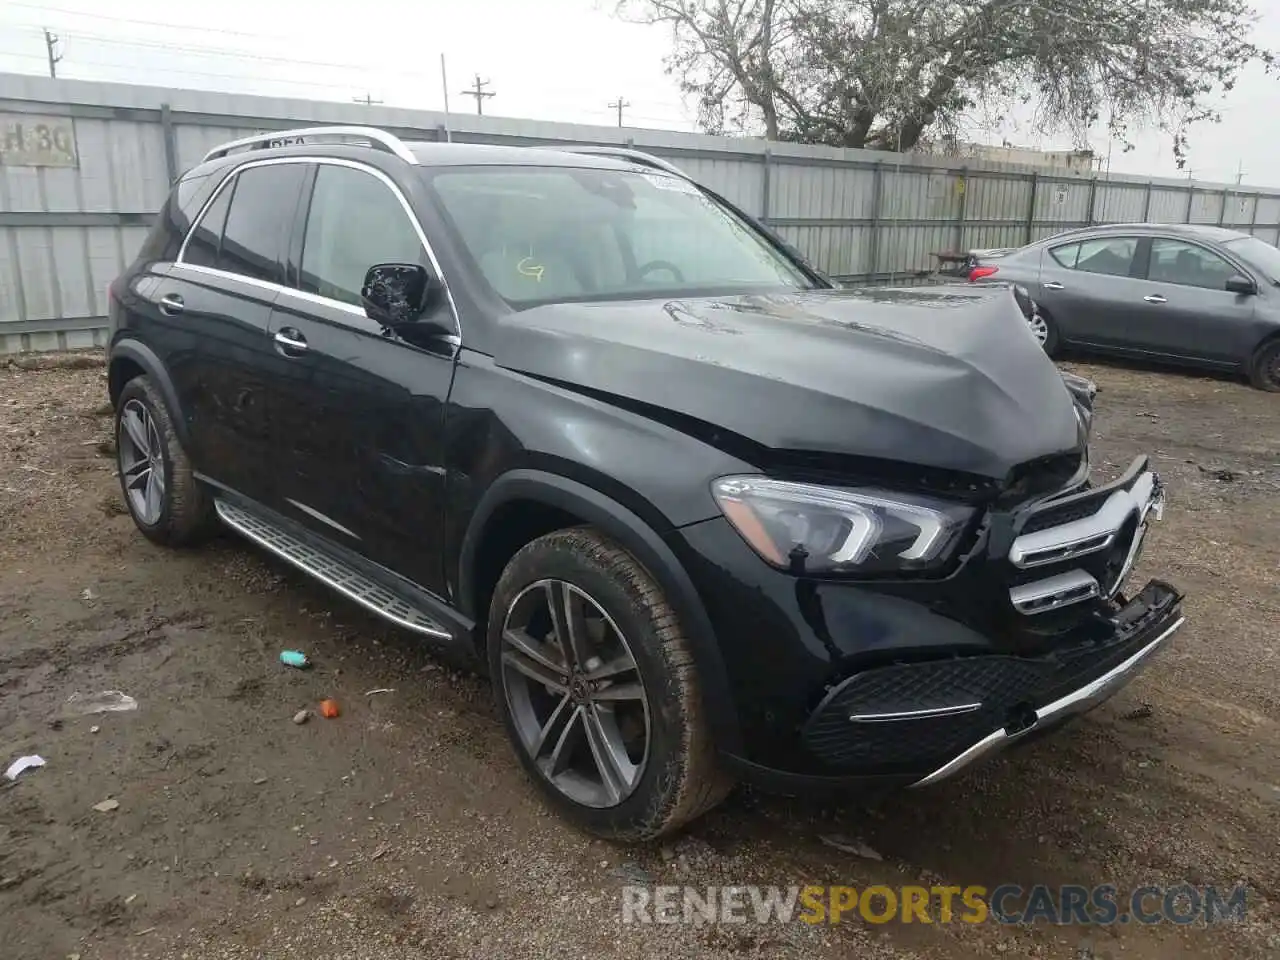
1242	285
396	293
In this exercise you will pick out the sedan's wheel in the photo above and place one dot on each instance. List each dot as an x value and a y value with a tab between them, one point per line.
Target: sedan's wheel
1039	329
597	688
1044	330
1264	372
164	498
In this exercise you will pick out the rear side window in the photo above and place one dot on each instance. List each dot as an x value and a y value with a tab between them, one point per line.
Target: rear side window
355	221
202	245
244	229
1112	256
261	213
1066	256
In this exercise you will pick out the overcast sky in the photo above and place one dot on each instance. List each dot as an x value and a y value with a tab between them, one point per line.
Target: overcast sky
546	59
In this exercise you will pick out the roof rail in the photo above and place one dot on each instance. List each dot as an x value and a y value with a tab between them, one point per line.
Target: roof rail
627	153
378	139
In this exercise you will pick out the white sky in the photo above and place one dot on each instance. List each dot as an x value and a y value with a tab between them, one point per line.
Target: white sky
546	59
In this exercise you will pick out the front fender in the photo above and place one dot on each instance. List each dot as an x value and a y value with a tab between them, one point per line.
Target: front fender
642	542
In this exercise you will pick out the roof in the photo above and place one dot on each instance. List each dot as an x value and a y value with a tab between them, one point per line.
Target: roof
1203	231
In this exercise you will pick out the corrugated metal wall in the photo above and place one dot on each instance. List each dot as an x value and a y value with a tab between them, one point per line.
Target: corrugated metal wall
863	216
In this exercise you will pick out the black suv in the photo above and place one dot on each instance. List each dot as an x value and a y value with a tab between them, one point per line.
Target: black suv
699	514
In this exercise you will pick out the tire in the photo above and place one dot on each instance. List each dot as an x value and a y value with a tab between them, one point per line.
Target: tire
178	512
675	778
1264	368
1050	342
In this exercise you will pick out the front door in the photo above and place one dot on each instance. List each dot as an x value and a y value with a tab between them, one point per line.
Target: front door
359	413
218	298
1186	310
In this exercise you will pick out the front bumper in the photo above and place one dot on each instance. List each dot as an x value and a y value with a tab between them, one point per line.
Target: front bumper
939	716
877	683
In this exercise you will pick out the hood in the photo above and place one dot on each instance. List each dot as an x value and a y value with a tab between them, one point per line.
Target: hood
945	377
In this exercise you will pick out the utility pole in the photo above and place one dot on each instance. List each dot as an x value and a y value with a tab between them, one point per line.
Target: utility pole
618	105
50	42
367	100
1239	172
480	93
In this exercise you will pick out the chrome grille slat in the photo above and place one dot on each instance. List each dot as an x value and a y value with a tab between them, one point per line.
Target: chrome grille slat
329	570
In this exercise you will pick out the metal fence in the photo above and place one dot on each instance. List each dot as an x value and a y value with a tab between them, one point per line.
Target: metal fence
85	166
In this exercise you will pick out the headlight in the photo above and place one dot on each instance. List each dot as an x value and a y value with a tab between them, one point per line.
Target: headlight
807	528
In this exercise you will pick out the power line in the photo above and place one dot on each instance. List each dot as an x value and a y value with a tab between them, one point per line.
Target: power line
480	93
50	43
41	8
618	105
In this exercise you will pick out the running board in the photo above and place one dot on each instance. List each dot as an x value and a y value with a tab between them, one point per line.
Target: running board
330	571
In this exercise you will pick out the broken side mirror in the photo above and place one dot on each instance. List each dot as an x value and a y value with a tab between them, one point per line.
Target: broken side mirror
395	294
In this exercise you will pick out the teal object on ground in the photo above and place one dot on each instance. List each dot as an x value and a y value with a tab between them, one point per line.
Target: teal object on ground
294	658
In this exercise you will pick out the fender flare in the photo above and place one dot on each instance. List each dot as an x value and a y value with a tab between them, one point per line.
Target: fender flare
642	542
135	350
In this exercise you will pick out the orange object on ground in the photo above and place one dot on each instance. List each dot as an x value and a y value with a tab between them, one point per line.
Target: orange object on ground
329	709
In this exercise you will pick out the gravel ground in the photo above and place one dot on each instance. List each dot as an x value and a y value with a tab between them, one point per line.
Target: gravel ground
404	829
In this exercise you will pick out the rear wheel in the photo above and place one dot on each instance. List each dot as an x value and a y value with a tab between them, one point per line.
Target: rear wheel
165	500
1264	371
1044	330
597	689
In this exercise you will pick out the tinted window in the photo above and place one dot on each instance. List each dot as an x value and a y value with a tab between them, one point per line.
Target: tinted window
542	234
1109	255
188	193
258	224
355	221
202	247
1175	261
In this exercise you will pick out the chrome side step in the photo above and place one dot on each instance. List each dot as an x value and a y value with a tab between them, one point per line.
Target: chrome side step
330	571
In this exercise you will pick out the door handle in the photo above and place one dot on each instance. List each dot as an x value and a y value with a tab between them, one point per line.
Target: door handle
1051	285
1155	298
291	341
171	305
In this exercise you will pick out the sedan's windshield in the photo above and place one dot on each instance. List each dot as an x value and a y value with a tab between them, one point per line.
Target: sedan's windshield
1259	254
546	234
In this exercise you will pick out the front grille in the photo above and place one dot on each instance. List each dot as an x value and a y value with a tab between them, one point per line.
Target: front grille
1042	476
1055	516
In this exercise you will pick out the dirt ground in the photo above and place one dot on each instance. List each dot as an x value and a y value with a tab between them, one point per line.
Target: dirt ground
404	829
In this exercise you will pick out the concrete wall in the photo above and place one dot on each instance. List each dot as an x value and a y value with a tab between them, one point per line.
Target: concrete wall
72	222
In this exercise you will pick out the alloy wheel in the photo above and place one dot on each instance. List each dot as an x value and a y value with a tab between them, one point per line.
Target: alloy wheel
574	693
141	462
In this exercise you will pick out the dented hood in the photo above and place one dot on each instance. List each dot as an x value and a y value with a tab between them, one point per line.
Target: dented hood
946	377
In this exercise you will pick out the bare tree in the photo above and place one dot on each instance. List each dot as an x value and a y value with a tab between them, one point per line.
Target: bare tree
885	73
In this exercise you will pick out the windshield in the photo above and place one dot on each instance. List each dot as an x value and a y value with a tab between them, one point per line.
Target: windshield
548	234
1259	254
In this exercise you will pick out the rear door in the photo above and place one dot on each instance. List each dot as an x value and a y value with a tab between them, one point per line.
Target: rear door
1186	310
360	412
219	295
1091	287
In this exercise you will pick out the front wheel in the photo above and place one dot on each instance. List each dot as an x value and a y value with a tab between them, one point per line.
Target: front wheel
598	690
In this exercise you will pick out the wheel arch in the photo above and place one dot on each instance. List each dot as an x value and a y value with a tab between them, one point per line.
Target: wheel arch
130	358
526	503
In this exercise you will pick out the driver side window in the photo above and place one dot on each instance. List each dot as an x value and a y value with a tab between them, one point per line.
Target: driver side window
1175	261
354	222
